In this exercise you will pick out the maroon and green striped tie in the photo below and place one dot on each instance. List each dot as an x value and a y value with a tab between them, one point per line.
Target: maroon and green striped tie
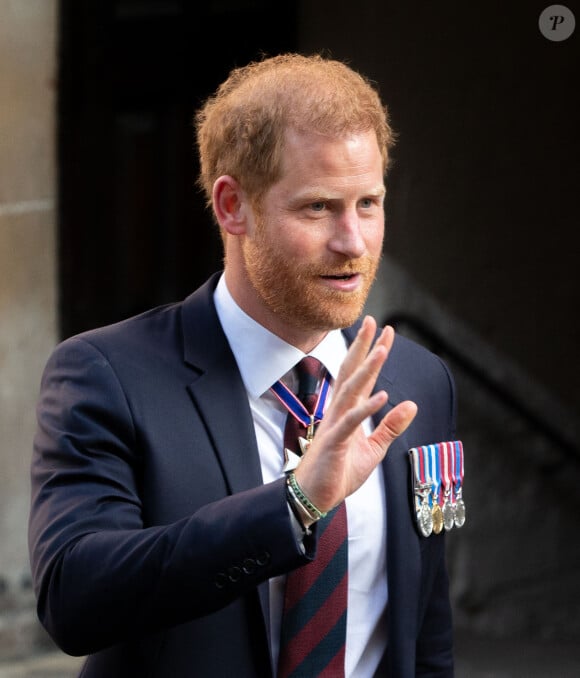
313	635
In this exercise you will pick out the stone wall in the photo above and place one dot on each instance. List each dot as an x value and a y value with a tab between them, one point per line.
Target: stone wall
28	306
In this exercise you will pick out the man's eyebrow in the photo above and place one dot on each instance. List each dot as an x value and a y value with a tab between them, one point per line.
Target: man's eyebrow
315	195
378	191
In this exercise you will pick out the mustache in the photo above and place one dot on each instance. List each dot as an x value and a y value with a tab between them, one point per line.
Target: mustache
363	266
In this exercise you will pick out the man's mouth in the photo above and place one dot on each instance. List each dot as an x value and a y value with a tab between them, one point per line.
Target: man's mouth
340	276
343	282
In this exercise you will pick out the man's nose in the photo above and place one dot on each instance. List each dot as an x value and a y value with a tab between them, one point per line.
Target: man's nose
347	238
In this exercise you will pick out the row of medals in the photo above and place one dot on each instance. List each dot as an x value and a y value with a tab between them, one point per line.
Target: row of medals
431	517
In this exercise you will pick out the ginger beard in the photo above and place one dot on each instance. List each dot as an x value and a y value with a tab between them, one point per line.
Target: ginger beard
294	291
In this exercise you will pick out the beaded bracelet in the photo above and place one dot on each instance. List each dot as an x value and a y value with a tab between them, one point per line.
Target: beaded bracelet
300	512
296	491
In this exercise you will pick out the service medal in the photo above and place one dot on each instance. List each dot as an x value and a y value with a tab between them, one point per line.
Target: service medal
436	482
437	486
459	511
448	515
421	491
458	472
425	518
437	515
447	510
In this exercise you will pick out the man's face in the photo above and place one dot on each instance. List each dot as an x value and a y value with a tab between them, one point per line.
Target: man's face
312	252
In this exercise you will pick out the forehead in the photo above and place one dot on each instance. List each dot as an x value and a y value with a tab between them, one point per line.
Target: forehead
311	158
296	140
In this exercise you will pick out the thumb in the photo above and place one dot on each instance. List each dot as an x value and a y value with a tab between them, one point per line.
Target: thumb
393	424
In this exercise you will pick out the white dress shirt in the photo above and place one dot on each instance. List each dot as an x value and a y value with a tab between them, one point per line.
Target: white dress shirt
366	509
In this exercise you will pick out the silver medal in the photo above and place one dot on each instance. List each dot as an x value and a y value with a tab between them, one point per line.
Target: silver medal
458	486
459	511
425	518
448	513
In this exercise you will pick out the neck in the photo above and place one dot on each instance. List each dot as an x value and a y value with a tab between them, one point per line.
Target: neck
305	339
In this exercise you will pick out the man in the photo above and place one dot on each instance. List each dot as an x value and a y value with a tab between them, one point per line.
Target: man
166	517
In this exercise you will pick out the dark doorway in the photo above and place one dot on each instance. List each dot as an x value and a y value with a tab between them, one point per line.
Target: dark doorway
133	228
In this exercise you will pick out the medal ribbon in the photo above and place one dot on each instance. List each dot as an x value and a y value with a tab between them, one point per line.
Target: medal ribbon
459	463
416	465
422	466
444	451
429	471
453	474
295	406
435	449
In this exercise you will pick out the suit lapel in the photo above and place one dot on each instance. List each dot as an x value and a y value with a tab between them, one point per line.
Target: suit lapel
220	397
218	392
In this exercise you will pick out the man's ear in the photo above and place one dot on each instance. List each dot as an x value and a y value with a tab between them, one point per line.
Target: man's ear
230	205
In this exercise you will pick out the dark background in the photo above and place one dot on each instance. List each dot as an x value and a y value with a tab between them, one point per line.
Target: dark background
134	231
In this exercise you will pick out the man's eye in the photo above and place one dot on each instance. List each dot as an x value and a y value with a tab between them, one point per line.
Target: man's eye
366	202
317	206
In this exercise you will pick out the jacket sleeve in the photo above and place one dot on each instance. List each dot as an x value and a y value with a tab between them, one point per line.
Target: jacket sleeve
100	574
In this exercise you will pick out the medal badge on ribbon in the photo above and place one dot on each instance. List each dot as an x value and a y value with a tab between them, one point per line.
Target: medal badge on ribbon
309	420
437	477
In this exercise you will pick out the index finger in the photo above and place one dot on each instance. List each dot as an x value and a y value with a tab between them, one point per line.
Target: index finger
358	350
361	346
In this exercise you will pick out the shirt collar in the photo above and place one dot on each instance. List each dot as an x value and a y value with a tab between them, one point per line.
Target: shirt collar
251	342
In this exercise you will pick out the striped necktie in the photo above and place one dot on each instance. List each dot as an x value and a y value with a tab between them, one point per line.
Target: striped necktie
313	635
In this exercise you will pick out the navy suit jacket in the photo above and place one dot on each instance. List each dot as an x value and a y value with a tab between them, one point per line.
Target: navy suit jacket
152	536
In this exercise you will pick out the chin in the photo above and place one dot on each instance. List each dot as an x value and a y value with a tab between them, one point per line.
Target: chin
327	319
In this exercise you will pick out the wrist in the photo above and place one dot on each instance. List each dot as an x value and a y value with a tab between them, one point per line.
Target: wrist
298	515
303	508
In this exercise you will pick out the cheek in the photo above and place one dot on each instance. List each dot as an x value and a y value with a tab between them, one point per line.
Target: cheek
301	243
375	238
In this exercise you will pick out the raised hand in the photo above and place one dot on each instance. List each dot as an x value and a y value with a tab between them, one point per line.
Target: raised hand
341	457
